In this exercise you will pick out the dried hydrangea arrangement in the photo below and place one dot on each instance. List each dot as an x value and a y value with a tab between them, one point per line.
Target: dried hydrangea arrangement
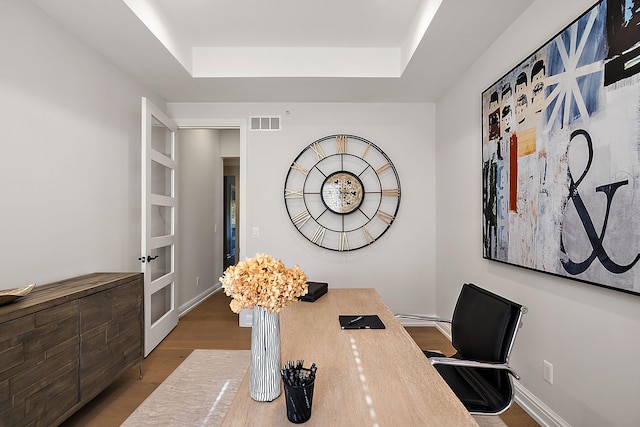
263	281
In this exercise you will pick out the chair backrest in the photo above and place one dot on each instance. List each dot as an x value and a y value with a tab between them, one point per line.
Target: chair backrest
484	325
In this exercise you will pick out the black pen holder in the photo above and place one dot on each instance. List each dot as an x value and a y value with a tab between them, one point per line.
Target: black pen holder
299	399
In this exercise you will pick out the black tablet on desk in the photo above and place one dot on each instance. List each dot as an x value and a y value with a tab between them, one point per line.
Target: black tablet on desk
361	321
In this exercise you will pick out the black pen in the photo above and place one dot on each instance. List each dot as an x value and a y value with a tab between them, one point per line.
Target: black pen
352	321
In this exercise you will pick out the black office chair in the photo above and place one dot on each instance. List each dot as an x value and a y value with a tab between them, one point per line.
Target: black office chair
483	330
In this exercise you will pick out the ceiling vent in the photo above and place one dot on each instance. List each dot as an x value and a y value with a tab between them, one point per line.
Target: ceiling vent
265	123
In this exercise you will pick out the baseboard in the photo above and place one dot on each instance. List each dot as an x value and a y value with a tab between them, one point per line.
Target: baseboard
445	329
533	406
417	322
540	412
193	302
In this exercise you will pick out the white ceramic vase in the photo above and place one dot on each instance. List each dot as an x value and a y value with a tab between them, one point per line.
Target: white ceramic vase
265	356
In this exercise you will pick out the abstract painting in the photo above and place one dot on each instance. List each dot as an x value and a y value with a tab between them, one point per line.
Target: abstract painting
561	153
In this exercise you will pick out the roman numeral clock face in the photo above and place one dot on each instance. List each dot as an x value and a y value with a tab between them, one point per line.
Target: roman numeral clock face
342	192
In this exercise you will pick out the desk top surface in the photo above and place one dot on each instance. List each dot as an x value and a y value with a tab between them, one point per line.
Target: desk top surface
368	377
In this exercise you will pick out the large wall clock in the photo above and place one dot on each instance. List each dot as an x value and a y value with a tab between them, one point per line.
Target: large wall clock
342	192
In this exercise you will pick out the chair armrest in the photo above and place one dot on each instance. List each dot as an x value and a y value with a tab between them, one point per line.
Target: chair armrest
417	317
473	364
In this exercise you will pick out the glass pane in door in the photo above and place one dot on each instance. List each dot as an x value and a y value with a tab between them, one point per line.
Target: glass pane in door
162	265
161	220
161	303
161	138
161	182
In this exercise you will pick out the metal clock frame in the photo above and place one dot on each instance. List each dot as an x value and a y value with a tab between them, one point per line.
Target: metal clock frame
352	156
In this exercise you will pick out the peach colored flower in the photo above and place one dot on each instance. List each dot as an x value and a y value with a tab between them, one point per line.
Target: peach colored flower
263	281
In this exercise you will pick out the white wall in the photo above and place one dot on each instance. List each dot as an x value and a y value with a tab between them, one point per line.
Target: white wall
229	142
200	214
401	265
590	334
70	150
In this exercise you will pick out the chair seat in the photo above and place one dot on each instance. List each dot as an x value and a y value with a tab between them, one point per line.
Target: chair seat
473	390
477	394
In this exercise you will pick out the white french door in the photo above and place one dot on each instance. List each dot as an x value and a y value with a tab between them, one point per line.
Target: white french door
158	226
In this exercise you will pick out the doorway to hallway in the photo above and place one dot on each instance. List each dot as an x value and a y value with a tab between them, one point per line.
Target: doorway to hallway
231	212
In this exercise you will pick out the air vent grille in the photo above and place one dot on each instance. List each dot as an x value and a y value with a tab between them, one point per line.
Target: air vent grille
269	123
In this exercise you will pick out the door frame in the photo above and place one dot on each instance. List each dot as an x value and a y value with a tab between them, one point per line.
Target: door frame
242	126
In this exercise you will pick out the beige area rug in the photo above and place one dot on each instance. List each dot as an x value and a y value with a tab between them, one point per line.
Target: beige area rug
197	393
201	389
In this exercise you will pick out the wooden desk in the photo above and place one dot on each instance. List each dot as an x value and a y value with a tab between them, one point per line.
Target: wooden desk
365	377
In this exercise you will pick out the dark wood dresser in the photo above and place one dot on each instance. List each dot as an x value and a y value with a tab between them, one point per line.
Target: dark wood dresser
65	342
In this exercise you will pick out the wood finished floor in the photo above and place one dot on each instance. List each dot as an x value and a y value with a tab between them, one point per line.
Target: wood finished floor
212	325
